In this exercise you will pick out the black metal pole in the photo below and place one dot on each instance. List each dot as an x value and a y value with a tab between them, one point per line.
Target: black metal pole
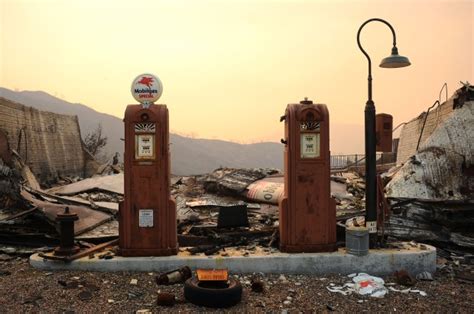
370	166
370	148
370	174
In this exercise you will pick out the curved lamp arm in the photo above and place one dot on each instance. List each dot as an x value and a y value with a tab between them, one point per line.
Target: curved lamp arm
365	53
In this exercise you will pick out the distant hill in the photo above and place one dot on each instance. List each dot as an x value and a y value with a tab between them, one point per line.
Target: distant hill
188	155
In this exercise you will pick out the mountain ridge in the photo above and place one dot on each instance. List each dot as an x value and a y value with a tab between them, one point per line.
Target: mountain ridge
188	155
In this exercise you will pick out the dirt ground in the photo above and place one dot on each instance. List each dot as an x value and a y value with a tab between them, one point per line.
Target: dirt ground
24	289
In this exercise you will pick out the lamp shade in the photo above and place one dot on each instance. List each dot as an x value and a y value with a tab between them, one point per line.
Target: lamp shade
395	60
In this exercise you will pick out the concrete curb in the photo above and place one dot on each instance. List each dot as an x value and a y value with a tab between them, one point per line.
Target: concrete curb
377	262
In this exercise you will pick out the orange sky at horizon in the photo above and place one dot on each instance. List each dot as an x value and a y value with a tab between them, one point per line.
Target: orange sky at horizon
230	67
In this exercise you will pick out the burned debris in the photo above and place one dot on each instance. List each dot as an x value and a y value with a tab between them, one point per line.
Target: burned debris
49	144
10	186
175	276
239	218
233	181
432	192
443	223
203	216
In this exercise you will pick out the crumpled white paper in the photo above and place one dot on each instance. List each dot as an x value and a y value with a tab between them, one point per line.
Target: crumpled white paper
365	284
371	285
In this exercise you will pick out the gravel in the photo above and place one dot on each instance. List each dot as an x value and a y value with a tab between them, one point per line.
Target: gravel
25	289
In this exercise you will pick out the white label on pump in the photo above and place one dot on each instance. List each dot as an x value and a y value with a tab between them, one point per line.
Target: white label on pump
309	145
145	218
371	226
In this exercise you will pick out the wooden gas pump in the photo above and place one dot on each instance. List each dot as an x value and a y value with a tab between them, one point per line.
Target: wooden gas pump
307	210
147	216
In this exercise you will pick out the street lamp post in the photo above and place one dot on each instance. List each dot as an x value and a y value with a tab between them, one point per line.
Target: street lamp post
392	61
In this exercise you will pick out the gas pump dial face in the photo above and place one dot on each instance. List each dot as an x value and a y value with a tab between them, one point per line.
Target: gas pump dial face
145	146
310	142
145	143
309	145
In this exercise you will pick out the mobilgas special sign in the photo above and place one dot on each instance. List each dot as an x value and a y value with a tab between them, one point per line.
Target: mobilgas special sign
147	88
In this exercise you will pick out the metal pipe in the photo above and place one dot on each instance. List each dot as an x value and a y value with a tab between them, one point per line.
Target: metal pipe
446	89
424	122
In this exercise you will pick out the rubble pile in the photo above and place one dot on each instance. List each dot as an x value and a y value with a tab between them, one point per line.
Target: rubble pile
443	223
28	213
11	176
108	169
227	212
22	225
443	169
202	200
432	193
351	198
234	181
9	186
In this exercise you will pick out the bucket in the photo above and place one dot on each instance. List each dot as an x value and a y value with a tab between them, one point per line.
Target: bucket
357	240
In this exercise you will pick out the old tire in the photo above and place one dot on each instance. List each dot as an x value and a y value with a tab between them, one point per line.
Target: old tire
213	294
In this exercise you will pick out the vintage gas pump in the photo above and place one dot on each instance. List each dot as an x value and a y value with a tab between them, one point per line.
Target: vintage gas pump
307	211
147	216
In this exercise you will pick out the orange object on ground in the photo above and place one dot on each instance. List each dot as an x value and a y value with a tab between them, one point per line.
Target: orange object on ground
212	274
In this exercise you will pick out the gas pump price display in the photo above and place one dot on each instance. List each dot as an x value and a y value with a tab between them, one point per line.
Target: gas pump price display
309	145
145	146
310	142
145	141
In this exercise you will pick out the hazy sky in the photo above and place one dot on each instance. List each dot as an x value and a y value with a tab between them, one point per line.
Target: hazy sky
230	67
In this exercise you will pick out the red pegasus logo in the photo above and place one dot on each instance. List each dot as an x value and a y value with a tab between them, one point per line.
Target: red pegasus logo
146	81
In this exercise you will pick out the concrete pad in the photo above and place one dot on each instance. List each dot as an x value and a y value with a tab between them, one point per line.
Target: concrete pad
377	262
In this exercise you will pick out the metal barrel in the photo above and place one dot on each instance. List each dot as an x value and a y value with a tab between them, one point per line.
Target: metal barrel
357	241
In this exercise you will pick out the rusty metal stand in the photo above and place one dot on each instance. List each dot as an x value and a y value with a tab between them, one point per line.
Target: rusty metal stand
66	233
